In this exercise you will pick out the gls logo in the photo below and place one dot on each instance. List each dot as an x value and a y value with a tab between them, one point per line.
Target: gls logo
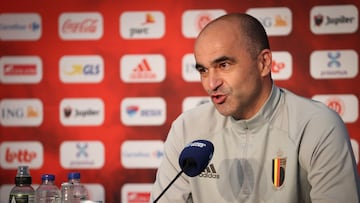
142	25
81	69
136	192
21	112
14	154
276	21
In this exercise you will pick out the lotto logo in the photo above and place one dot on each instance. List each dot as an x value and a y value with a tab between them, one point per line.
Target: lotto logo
14	154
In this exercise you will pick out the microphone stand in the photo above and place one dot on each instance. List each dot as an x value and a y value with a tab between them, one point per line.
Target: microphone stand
188	163
163	192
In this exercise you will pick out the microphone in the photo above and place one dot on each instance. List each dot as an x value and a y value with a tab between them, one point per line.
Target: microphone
193	160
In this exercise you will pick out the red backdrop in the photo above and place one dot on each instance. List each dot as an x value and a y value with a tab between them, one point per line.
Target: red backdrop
111	46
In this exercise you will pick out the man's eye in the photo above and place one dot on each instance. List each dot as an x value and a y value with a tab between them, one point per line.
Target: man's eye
223	65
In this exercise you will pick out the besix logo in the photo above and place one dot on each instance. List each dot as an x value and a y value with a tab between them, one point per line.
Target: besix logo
143	111
148	68
142	25
13	154
81	69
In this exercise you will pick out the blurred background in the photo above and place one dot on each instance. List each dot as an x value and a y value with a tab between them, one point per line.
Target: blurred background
93	86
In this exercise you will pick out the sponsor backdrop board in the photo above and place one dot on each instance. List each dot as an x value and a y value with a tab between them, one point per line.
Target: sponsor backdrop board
93	86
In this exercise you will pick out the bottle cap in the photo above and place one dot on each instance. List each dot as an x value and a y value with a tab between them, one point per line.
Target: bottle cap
23	176
73	175
50	177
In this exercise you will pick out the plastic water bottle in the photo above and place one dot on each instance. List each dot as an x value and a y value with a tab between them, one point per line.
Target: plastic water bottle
47	192
67	192
79	190
22	192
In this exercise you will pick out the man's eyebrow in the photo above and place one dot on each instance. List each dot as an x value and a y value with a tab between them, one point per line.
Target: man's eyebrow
222	59
198	66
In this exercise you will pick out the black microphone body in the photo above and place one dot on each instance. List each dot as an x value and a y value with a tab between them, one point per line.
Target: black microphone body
193	159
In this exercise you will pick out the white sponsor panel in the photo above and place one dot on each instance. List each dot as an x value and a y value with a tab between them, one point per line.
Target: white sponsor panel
193	21
277	21
141	154
20	69
346	105
142	25
21	112
82	154
82	112
20	26
189	72
147	68
281	68
81	69
136	192
143	111
81	26
15	153
334	19
96	192
192	102
334	64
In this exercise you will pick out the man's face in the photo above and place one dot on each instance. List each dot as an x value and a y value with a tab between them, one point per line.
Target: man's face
229	74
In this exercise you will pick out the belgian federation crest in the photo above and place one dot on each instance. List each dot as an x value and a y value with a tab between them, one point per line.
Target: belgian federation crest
278	171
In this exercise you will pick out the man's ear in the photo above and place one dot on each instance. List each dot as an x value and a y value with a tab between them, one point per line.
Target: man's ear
265	62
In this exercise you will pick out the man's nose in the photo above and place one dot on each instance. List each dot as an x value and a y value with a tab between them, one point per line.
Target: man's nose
214	80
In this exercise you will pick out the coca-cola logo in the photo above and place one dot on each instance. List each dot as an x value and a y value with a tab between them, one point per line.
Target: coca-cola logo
87	25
